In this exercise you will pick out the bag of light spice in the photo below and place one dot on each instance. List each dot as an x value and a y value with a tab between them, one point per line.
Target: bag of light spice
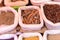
30	18
8	37
51	35
15	2
51	14
8	19
38	2
30	36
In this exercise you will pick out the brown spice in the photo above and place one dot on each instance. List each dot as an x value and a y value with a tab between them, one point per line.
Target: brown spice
31	38
16	0
6	18
52	12
53	37
2	3
30	16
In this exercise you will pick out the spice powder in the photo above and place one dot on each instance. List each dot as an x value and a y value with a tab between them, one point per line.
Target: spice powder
53	37
6	18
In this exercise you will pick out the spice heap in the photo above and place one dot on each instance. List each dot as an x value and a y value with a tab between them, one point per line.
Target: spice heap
16	0
30	16
52	12
32	38
53	37
6	18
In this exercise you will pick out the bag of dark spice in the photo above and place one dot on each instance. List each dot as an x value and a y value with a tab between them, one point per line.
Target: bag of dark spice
51	14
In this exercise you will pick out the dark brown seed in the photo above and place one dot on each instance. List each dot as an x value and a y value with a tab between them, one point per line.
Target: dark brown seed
52	12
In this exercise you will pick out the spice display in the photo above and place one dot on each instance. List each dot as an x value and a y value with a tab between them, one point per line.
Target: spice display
53	37
16	0
32	38
6	18
30	16
52	12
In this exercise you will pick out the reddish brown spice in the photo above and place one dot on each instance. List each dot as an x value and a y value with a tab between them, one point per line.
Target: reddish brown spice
30	16
52	12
